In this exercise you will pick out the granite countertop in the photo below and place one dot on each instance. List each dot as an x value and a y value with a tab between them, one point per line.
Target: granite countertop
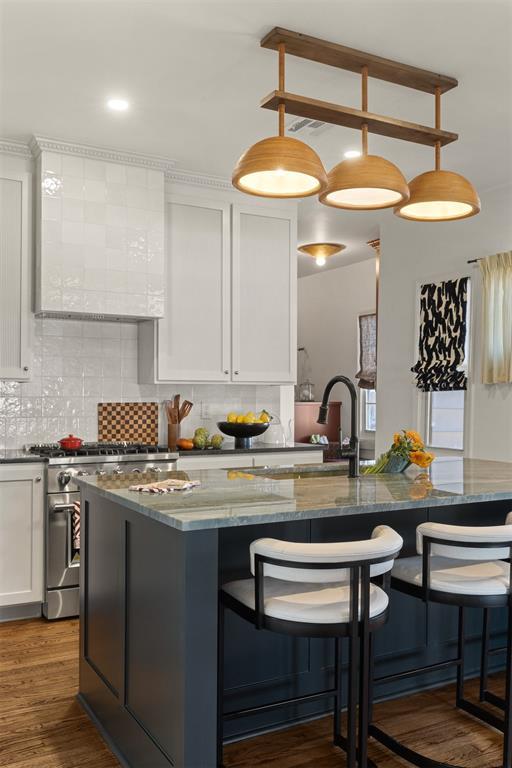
14	456
237	497
230	449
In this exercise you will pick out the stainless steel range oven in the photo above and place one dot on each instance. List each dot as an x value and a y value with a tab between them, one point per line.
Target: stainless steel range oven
62	555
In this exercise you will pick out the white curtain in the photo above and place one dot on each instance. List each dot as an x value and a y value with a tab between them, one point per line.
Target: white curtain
496	274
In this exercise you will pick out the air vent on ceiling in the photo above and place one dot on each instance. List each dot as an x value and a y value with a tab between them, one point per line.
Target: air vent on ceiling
307	127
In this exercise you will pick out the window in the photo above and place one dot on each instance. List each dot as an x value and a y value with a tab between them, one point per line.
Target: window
445	410
369	402
446	420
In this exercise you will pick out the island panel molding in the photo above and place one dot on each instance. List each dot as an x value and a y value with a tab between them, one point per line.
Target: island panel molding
343	57
39	144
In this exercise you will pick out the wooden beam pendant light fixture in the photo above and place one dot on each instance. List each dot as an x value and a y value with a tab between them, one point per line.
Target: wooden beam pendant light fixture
280	166
284	167
439	195
368	182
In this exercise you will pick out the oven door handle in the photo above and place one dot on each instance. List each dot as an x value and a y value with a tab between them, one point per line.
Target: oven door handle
62	508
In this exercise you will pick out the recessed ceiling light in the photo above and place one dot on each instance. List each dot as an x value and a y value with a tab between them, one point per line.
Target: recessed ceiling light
118	105
351	153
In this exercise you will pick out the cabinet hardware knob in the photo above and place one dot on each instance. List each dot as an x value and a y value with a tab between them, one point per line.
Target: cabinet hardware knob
226	371
25	367
236	373
37	479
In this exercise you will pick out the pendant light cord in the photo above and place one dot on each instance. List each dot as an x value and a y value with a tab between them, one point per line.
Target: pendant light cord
438	126
364	107
281	87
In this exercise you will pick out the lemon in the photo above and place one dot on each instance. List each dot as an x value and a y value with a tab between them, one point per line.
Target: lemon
240	419
264	417
231	417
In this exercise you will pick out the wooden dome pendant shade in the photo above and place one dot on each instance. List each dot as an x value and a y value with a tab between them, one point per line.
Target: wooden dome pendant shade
439	195
280	166
368	182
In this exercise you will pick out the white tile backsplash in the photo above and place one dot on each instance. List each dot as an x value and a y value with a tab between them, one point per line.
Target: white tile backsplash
78	363
100	220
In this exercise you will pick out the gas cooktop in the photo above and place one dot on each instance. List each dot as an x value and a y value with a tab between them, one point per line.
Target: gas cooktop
53	450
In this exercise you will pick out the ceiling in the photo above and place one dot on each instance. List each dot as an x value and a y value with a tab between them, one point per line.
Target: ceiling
194	74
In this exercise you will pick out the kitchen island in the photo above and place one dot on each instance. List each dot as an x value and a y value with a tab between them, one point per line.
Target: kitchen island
151	570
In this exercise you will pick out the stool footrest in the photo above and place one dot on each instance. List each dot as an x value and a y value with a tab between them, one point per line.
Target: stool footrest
407	754
481	714
280	703
418	671
496	701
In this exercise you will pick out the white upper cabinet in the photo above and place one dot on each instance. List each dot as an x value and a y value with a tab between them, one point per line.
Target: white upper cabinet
194	338
264	295
15	280
231	296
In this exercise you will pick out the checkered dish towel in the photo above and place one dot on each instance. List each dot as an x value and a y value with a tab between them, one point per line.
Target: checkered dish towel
76	525
165	486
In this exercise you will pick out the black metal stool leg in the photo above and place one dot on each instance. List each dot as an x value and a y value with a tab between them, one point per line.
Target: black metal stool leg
352	701
460	654
337	698
484	661
220	684
364	673
507	734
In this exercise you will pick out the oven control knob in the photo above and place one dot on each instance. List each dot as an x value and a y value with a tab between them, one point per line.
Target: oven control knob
100	472
82	473
64	478
118	471
156	469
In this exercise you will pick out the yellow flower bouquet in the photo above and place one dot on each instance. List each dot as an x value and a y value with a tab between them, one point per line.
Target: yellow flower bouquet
407	448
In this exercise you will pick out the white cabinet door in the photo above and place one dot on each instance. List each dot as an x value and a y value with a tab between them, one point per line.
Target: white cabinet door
21	533
214	462
14	276
194	337
288	459
264	295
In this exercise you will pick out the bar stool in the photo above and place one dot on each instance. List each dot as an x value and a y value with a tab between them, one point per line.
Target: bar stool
318	590
462	566
485	694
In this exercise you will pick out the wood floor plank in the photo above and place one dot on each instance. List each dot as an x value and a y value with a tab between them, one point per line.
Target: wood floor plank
43	726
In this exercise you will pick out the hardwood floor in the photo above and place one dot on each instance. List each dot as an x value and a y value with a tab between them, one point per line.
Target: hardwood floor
42	726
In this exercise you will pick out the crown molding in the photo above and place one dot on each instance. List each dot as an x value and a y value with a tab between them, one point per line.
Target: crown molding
13	147
199	179
40	144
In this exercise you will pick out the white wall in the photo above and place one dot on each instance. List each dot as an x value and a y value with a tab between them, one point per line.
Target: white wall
414	253
329	304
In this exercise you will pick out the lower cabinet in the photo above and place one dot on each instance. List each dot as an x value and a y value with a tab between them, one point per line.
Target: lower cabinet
21	533
256	459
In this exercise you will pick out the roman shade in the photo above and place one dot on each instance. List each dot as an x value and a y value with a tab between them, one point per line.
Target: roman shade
496	274
367	373
442	338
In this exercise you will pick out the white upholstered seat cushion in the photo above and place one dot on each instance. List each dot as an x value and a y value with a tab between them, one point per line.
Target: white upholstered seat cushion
461	577
305	602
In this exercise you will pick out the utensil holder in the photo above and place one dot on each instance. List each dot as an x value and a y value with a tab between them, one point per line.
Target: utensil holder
173	435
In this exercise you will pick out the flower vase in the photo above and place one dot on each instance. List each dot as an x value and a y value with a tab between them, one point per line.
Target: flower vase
395	465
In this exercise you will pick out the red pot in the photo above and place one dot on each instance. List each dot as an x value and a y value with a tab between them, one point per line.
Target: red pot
70	443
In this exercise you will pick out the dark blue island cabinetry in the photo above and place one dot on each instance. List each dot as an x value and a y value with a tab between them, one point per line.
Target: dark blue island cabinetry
151	570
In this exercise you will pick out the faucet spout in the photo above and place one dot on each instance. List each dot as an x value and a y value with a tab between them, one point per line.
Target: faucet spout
352	454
